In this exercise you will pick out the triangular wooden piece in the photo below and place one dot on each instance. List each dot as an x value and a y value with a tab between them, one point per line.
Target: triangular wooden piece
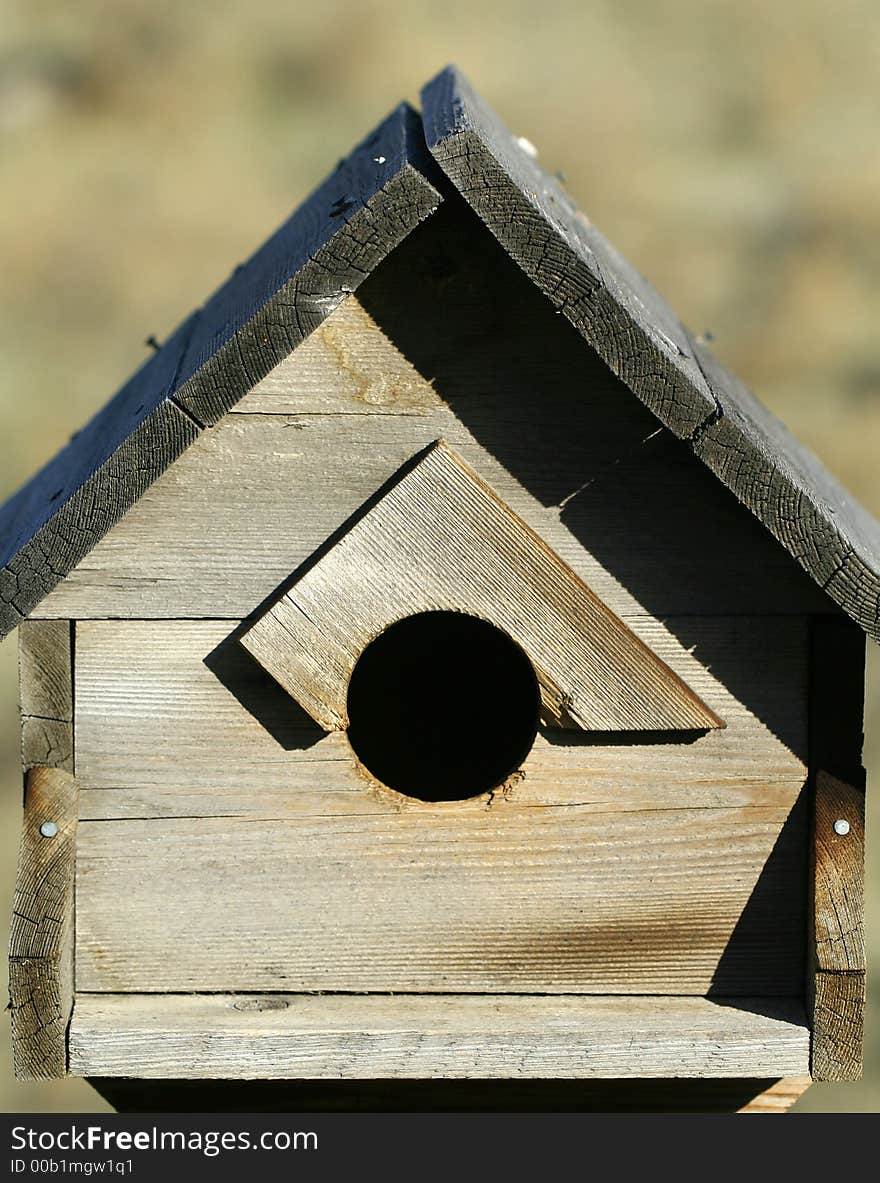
439	539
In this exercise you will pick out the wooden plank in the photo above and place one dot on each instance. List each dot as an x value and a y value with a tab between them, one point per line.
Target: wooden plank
543	900
44	665
512	388
817	520
837	985
347	366
629	325
41	933
277	1037
837	1004
839	838
329	245
58	516
440	539
164	735
779	1096
175	718
46	693
836	946
271	303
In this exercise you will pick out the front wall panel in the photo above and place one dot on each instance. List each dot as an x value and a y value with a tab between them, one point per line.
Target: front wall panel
226	843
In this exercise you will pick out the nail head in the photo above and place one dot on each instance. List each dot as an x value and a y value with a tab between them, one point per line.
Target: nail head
527	146
48	829
841	827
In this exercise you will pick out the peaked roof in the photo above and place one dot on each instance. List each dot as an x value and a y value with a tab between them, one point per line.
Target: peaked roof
330	244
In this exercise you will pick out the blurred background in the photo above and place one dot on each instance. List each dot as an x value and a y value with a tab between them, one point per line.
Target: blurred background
728	147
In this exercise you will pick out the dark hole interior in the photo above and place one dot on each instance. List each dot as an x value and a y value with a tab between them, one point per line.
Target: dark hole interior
442	706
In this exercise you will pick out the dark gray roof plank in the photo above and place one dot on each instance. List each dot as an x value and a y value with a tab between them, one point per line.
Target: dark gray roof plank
58	516
328	246
628	324
332	242
637	334
786	486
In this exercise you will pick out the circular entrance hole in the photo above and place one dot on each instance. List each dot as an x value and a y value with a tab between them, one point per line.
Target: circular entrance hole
442	706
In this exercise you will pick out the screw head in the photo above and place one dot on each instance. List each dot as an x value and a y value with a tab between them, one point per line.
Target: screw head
841	827
48	829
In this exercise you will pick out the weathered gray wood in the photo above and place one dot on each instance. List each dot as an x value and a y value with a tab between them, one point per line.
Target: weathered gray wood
352	222
59	515
348	366
41	933
175	719
837	987
839	875
270	304
615	310
804	506
46	693
836	943
523	401
46	743
44	665
837	1007
329	245
440	539
542	899
278	1037
631	327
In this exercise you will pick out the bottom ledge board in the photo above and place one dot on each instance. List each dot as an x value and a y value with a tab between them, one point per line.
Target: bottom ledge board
311	1037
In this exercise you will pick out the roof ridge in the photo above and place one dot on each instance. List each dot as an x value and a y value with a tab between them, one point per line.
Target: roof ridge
392	180
633	329
332	241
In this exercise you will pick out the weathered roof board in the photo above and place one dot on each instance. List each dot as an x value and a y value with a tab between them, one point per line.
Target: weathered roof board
267	307
638	335
332	242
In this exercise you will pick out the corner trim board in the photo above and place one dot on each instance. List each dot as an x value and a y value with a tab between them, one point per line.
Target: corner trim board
41	936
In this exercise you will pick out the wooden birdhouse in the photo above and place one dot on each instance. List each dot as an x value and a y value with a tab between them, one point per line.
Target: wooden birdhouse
434	664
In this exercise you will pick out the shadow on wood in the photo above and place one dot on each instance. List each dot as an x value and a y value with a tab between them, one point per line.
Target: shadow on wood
261	696
771	920
522	381
437	1096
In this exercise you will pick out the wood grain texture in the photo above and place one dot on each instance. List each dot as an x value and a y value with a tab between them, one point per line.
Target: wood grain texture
264	310
278	1037
633	329
58	516
348	366
553	900
512	388
628	324
837	983
837	1005
46	693
779	1096
353	222
679	866
440	539
41	933
320	255
836	944
839	876
175	718
801	503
